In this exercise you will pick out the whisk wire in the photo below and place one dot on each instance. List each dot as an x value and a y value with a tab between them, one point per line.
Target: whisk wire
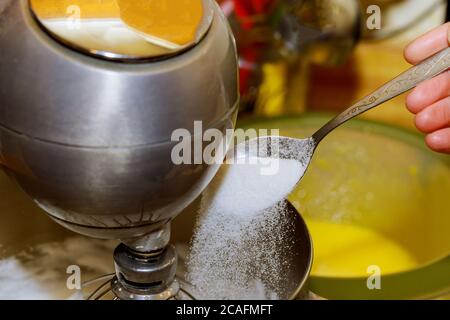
105	288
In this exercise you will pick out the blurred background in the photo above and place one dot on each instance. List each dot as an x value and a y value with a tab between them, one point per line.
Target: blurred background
322	55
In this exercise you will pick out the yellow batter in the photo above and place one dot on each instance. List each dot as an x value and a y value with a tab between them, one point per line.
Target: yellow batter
172	21
348	250
49	9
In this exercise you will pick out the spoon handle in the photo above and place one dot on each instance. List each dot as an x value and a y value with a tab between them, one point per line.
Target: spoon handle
425	70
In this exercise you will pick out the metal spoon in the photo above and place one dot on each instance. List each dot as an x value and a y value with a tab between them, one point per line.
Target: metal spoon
303	149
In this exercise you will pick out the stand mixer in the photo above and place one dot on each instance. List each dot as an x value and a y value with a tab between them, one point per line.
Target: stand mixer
87	110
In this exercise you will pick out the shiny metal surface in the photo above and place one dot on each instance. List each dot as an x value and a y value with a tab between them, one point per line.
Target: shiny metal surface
89	140
150	242
331	27
121	30
168	294
298	261
146	276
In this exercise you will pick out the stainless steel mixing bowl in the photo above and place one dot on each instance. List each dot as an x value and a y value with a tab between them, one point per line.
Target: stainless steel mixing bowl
87	134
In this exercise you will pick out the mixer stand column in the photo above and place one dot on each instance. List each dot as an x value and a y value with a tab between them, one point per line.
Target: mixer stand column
146	268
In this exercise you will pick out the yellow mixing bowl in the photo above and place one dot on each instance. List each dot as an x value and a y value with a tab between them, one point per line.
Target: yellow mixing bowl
376	202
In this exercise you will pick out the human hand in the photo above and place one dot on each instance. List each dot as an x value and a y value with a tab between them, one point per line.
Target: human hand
430	101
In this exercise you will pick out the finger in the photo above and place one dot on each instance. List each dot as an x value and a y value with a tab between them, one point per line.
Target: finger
439	141
435	117
428	44
429	92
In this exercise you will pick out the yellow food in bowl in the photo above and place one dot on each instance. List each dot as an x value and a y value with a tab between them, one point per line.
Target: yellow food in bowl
173	21
50	9
374	200
348	250
176	22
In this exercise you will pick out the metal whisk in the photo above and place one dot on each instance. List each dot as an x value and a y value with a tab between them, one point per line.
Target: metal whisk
103	289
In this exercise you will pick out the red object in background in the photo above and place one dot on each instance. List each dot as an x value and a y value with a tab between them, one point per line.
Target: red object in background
248	58
245	12
246	9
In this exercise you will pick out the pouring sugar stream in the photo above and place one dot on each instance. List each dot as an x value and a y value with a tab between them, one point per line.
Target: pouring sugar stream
244	224
251	180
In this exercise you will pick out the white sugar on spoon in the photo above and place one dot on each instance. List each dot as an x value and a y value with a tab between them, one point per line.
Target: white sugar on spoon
244	189
252	183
